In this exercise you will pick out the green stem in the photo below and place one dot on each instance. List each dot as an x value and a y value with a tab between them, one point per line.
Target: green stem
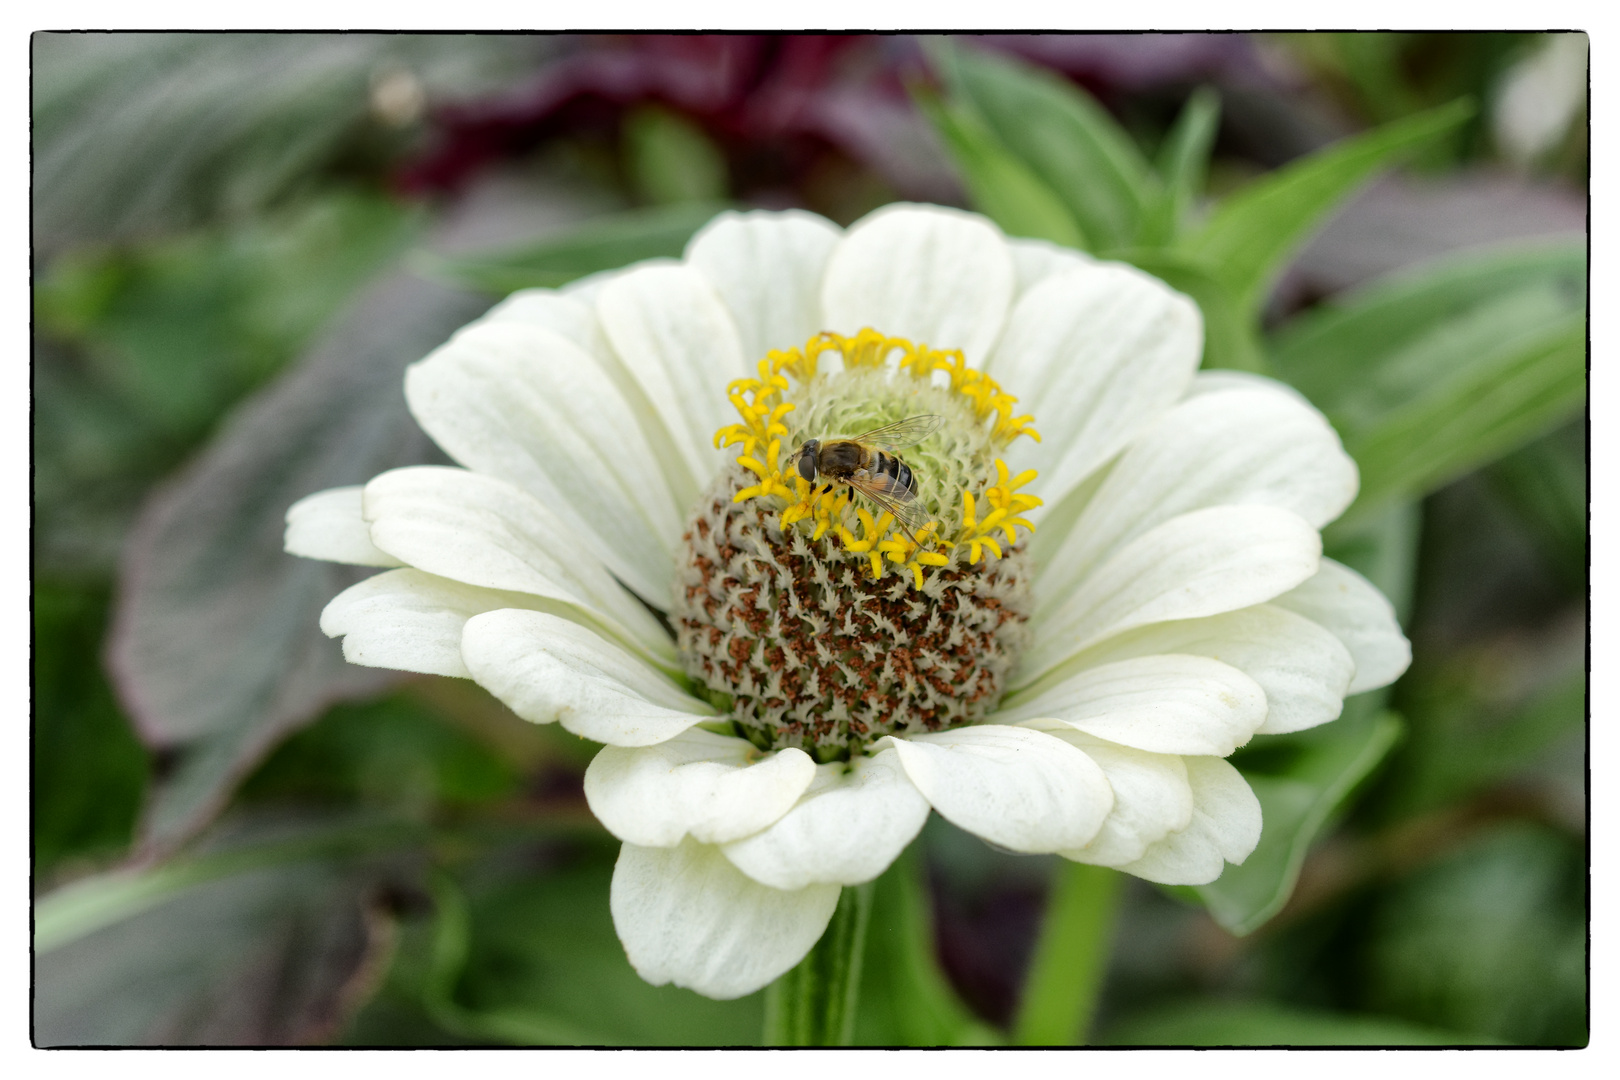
814	1004
1060	994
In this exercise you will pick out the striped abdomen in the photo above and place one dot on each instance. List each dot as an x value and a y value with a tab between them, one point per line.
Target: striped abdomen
892	467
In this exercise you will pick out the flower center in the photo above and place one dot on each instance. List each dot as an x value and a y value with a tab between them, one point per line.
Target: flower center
827	600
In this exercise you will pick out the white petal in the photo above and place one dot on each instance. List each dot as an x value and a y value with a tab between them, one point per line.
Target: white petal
589	287
411	621
1096	353
1152	797
846	829
713	787
1171	704
937	276
1217	381
1257	446
767	268
1036	260
567	316
547	669
570	313
687	916
1225	828
1304	670
1354	611
328	525
484	531
1015	787
525	405
1198	564
677	340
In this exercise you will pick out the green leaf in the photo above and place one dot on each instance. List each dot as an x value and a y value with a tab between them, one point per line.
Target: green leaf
451	942
395	754
1229	337
1490	937
181	328
1373	63
999	185
606	243
906	998
532	958
1440	370
1254	231
1359	355
670	159
1061	134
1462	742
1071	956
815	1003
1544	483
1301	780
1207	1022
1528	389
1182	164
90	772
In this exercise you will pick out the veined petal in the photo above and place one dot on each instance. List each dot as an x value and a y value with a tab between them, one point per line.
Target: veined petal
712	787
767	267
523	404
685	915
1355	612
851	823
1252	446
1016	787
1304	670
569	313
483	531
412	621
589	287
1099	352
1203	563
1225	828
328	525
934	275
1168	704
567	316
1218	381
1036	260
547	669
1152	797
678	342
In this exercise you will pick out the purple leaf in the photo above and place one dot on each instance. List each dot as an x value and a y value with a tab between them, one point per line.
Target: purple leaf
277	946
215	649
765	98
1133	63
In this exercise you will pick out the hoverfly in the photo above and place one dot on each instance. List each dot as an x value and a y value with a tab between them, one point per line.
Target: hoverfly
868	464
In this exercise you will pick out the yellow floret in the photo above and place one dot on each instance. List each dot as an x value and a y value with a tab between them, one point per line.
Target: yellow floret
761	403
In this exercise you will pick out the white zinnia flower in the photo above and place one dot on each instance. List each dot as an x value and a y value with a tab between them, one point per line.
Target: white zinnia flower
831	680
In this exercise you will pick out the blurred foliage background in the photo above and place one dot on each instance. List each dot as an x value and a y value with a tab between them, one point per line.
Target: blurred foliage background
241	240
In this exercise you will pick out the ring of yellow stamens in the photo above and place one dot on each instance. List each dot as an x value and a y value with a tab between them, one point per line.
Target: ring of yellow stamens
762	405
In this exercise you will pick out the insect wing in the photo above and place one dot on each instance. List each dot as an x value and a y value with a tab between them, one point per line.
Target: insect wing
902	433
895	499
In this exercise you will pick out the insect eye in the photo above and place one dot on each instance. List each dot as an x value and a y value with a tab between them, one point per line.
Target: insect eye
807	460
